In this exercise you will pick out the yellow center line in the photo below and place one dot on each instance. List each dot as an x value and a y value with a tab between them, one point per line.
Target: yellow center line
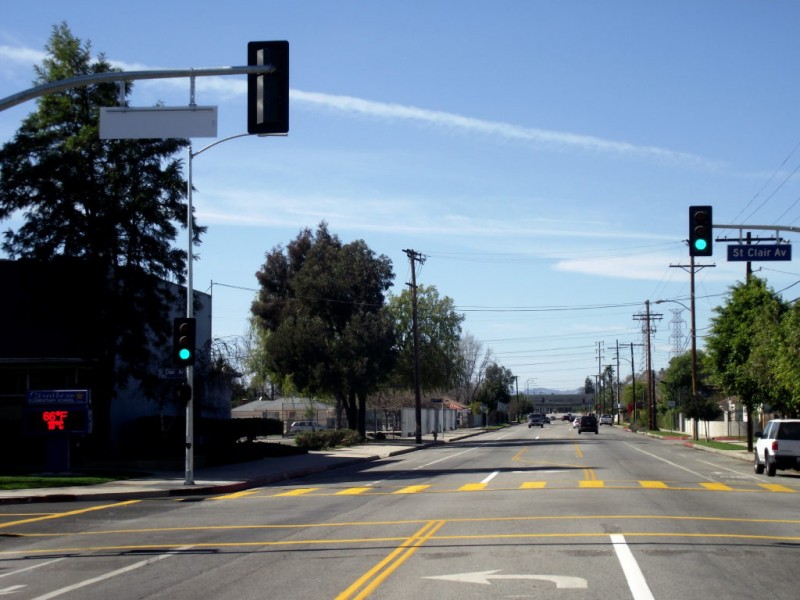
69	513
578	451
377	574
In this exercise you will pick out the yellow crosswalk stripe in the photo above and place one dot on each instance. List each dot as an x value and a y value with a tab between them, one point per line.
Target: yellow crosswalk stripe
354	491
589	483
235	495
473	487
298	492
716	487
412	489
653	485
774	487
592	483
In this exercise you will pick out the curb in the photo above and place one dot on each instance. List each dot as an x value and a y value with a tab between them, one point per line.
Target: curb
222	488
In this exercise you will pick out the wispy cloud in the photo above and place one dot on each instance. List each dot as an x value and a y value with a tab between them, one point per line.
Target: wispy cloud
21	56
500	130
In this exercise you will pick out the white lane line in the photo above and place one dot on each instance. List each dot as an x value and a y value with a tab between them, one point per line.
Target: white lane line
633	574
109	575
677	466
49	562
731	470
488	478
448	457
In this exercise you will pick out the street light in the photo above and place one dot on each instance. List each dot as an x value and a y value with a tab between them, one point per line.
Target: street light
189	480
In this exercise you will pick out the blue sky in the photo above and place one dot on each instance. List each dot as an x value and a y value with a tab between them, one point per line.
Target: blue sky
542	155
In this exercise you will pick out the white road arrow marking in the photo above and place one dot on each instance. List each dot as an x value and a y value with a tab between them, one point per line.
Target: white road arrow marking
485	577
11	590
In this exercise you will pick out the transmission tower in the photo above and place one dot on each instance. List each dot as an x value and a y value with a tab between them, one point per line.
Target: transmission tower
678	338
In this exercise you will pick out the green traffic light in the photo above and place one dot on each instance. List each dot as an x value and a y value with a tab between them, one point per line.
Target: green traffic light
184	354
700	245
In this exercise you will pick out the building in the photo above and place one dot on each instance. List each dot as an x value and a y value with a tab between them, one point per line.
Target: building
53	338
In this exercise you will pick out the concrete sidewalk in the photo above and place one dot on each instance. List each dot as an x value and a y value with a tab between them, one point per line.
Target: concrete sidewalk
226	479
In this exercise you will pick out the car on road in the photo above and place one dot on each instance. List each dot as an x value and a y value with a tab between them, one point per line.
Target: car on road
535	420
588	423
575	422
301	426
778	447
568	417
606	420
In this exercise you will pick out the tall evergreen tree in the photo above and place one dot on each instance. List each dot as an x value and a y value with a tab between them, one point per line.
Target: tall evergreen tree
113	203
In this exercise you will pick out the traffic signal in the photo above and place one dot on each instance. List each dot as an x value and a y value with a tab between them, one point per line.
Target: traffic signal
700	227
184	334
268	93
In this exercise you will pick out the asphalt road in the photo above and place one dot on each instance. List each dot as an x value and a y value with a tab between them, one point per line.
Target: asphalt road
520	513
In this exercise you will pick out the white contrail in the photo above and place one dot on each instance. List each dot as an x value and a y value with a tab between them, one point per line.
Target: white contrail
506	131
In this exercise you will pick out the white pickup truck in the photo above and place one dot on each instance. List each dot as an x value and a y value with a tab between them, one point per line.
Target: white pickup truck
778	447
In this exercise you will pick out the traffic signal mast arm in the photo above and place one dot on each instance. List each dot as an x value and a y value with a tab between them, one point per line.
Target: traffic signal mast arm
94	78
775	228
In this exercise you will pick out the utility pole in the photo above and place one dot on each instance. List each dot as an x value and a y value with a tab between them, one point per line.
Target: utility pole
633	383
415	257
599	379
619	395
647	329
693	268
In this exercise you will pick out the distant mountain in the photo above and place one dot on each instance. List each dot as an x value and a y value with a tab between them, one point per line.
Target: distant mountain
546	391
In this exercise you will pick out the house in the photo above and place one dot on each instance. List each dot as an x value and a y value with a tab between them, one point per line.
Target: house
287	410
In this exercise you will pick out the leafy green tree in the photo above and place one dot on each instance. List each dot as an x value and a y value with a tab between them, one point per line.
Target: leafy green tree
676	387
326	329
784	350
588	386
111	203
732	340
439	327
496	386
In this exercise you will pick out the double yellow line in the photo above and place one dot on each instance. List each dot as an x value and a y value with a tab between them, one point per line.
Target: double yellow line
370	580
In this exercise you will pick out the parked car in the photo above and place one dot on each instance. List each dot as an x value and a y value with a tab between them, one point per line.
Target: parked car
606	420
588	423
778	447
301	426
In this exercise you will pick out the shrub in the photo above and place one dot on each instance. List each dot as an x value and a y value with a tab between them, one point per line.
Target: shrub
329	438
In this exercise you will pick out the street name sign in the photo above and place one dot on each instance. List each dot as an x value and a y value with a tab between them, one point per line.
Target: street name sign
161	122
172	373
748	252
58	396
